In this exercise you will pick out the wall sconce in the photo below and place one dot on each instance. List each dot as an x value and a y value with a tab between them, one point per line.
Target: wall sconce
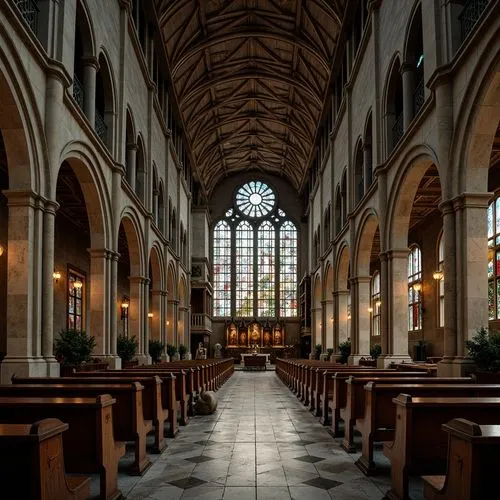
168	323
77	284
56	275
370	309
124	306
2	249
417	287
331	320
320	324
378	303
349	316
438	275
150	315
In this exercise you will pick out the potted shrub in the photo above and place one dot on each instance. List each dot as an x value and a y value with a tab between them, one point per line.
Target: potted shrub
375	351
345	351
330	352
171	351
126	348
155	350
182	351
317	351
73	349
484	350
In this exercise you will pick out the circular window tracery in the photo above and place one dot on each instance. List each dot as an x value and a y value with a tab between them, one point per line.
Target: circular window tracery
255	199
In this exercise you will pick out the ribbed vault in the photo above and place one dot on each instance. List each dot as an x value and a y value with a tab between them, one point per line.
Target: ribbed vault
250	77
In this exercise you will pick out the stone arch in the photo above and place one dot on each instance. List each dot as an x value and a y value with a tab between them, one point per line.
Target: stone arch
342	268
93	185
161	207
364	242
105	101
359	172
156	287
473	138
141	170
327	227
368	149
84	23
404	187
135	241
338	210
393	105
343	196
154	194
130	148
172	306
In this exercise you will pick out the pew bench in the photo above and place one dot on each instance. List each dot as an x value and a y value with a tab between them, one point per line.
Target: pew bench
473	463
32	463
379	420
420	445
151	396
89	444
128	416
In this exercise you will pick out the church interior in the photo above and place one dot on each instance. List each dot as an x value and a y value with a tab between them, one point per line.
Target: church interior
249	249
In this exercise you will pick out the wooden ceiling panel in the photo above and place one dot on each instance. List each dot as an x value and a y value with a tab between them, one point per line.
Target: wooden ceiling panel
250	77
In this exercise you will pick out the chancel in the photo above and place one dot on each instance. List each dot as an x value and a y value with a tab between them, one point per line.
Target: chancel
282	213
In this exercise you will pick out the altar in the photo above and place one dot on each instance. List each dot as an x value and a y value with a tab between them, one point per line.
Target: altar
249	355
254	361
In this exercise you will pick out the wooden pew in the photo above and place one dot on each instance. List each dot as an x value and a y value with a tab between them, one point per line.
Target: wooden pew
379	420
89	444
339	400
128	416
420	445
32	463
151	396
355	405
473	463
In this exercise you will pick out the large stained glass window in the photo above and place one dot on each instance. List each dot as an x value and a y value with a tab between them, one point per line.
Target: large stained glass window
494	260
266	290
76	293
414	289
222	269
288	269
244	269
255	257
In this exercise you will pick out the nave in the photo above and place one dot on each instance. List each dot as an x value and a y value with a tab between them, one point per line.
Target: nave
261	443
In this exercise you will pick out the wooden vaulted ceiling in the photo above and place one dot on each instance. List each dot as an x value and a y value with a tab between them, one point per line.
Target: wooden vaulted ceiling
250	77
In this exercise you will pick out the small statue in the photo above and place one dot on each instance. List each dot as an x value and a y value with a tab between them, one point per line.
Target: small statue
201	352
217	351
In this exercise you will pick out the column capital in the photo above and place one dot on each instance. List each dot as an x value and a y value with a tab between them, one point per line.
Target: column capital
383	256
164	293
340	293
21	198
137	280
472	200
174	301
114	256
156	291
50	206
131	146
397	253
407	66
447	207
360	279
91	61
99	253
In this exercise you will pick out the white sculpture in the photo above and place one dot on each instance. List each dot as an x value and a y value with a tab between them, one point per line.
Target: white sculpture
217	350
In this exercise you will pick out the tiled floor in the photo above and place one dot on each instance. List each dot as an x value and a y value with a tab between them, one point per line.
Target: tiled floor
262	443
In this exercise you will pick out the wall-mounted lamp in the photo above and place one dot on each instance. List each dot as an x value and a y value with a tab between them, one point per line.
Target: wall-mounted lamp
2	249
77	284
168	322
438	275
320	324
417	287
56	275
331	319
349	316
378	303
150	315
124	307
370	309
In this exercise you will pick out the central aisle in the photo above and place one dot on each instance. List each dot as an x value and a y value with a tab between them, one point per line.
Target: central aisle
262	443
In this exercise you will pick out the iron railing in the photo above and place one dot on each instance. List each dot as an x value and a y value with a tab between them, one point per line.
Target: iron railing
397	130
418	97
100	127
78	92
470	14
29	10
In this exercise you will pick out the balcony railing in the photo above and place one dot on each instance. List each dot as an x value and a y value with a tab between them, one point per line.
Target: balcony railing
418	96
100	127
29	10
78	92
470	14
201	322
397	130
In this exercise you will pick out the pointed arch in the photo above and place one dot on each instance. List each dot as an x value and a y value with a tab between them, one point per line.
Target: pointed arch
393	105
105	104
359	173
135	241
161	208
141	170
342	267
368	150
368	227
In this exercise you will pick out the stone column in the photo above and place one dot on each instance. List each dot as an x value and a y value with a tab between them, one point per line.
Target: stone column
182	325
131	164
173	315
98	326
136	315
90	66
384	306
316	327
156	309
328	323
397	349
341	321
146	321
163	320
22	272
49	216
472	256
360	337
114	360
408	74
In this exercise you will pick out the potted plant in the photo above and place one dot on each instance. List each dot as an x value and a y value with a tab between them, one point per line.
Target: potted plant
375	351
484	350
73	348
126	348
155	350
182	351
330	352
345	351
317	351
171	351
